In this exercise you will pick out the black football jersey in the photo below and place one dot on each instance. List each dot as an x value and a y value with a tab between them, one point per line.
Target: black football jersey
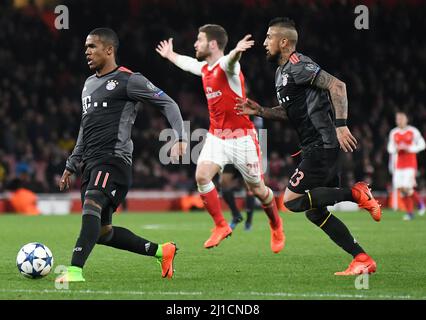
308	108
109	108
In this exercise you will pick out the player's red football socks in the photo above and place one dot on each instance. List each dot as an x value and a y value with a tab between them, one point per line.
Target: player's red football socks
409	204
271	210
417	199
211	202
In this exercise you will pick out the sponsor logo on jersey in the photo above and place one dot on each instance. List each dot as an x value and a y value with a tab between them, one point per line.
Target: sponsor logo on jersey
86	102
210	94
111	84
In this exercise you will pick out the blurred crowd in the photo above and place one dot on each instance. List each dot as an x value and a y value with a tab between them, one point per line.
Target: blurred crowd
43	70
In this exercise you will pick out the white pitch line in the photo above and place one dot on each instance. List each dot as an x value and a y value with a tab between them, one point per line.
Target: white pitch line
183	293
198	293
326	295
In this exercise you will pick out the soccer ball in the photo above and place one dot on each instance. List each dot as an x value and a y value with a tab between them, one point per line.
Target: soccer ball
34	260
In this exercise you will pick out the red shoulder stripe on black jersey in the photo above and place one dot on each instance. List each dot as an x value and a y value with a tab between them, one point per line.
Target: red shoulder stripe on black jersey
294	59
124	69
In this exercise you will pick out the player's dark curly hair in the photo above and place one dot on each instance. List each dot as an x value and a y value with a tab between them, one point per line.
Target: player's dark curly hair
107	36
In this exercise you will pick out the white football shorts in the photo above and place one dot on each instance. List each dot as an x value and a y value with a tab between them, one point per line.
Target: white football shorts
243	152
404	178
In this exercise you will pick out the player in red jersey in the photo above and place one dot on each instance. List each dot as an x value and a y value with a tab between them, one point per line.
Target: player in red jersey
404	143
232	138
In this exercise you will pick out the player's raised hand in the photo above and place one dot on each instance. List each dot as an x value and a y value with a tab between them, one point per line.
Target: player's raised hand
244	44
64	183
346	140
247	107
165	48
178	150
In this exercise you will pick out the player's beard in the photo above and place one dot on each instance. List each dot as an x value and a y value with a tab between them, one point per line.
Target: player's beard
201	56
273	58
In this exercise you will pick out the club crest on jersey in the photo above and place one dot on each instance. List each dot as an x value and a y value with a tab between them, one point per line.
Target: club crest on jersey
111	84
310	67
285	79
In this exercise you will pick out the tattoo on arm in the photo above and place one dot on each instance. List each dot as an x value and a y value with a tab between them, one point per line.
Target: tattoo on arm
275	113
337	90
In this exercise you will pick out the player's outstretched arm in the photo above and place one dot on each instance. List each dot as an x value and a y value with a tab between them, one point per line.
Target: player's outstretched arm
252	108
339	99
165	49
242	45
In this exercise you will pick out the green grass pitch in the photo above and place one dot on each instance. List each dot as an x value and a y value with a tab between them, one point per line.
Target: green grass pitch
242	267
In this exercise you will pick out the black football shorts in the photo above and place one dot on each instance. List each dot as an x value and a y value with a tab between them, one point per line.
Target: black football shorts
319	168
111	178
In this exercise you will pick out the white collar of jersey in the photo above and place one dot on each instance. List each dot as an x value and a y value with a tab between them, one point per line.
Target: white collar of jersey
408	127
210	68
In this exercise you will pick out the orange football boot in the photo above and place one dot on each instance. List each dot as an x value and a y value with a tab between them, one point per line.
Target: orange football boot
362	195
169	253
362	263
277	238
218	234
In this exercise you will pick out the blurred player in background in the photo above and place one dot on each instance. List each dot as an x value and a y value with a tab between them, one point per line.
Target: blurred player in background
404	143
232	138
104	148
316	104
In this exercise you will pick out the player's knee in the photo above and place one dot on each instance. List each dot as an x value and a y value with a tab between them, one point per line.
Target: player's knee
259	190
96	199
299	204
317	216
106	229
202	178
105	235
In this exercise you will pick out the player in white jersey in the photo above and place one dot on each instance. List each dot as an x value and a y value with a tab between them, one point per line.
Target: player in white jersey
404	143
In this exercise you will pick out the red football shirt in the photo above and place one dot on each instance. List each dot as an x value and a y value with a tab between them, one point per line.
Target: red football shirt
221	89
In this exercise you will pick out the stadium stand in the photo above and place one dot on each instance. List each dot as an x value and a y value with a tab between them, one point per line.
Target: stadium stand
43	70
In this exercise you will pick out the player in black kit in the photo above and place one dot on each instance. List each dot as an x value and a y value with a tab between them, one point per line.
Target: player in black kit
104	150
316	105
